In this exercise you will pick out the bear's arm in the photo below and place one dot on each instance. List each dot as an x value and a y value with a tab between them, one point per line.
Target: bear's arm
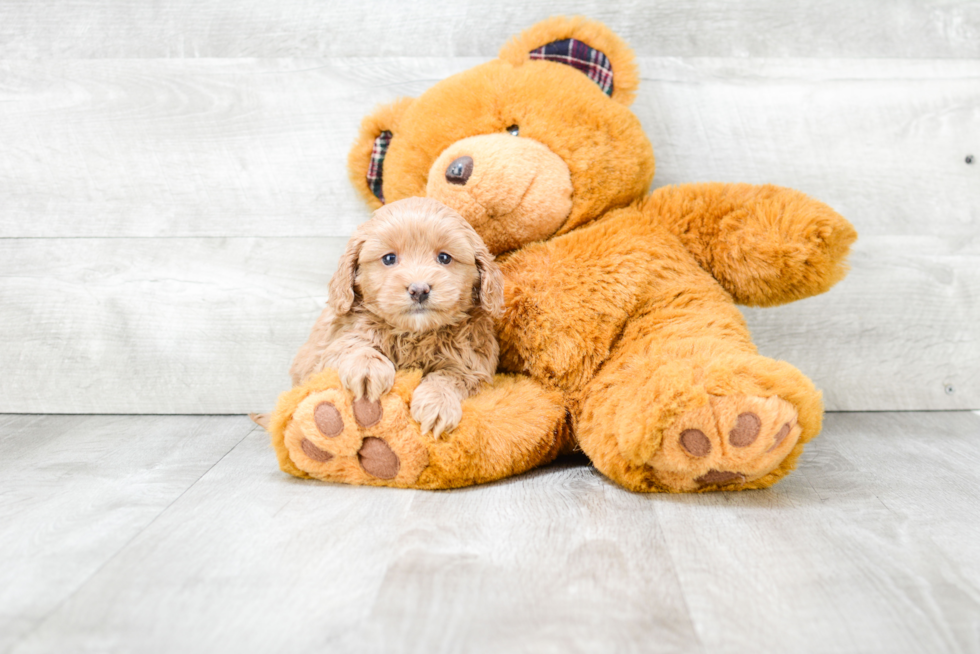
765	245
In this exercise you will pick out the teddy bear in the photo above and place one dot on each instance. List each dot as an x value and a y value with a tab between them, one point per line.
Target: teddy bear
620	336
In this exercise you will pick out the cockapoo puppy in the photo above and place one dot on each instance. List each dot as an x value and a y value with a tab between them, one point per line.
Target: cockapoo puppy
416	288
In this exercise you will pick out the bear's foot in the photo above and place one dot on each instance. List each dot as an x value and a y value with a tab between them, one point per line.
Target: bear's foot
735	422
726	444
320	431
333	438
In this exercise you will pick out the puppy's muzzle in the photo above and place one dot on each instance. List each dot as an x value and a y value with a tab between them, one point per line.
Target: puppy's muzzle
419	292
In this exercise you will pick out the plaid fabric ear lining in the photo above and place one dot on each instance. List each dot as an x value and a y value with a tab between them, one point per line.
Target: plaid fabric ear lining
376	169
581	56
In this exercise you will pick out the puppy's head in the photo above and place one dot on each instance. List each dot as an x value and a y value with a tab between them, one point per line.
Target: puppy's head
418	265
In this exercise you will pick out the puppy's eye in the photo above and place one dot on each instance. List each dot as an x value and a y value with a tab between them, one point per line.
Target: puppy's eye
389	259
514	130
444	258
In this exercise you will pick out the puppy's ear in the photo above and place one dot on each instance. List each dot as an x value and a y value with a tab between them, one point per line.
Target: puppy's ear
491	282
342	283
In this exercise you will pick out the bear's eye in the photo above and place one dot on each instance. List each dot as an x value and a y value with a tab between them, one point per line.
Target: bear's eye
514	130
389	259
444	258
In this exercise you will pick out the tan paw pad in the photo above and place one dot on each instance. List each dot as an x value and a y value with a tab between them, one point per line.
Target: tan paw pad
781	436
314	452
377	459
720	477
367	413
746	430
695	442
327	419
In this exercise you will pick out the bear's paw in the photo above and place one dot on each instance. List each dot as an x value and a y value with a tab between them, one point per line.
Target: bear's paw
726	444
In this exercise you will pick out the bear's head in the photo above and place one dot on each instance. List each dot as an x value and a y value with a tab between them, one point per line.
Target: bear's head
527	146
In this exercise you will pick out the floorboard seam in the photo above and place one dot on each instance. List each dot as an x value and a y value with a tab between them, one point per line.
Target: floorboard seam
41	622
680	583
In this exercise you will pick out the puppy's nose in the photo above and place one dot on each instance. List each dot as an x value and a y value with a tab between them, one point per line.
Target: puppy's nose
459	170
419	291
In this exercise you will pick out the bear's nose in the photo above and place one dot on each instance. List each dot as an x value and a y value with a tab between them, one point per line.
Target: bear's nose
419	291
459	170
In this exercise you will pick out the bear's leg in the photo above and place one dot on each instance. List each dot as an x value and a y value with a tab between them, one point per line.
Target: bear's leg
513	426
695	414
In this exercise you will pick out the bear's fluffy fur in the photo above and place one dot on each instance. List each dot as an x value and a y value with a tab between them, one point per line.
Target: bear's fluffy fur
620	335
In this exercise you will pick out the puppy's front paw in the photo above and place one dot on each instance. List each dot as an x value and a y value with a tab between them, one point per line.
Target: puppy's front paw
371	376
436	409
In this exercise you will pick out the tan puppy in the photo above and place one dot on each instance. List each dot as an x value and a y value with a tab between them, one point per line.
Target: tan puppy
416	288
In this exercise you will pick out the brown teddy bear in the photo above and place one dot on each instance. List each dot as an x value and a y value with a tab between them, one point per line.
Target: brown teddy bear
620	335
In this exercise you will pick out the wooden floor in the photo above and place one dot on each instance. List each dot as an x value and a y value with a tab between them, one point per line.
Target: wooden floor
178	534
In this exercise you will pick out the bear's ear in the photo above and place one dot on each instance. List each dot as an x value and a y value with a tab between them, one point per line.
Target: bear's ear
587	45
365	163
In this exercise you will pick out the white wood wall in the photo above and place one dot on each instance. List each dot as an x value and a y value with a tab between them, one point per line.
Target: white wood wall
173	193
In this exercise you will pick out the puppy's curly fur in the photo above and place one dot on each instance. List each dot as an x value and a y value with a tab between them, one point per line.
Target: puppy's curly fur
414	310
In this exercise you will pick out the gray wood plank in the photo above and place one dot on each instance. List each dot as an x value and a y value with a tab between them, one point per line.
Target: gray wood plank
944	449
870	546
258	147
210	325
301	28
74	490
249	560
156	325
885	142
557	561
158	148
